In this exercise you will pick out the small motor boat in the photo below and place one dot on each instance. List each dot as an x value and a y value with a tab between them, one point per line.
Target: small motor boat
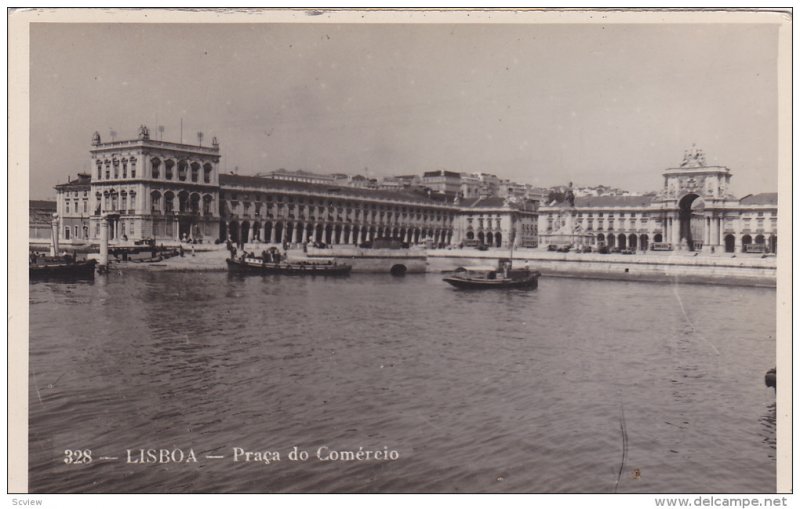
502	276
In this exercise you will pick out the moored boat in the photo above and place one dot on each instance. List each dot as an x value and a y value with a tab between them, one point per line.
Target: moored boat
61	267
502	276
315	267
771	378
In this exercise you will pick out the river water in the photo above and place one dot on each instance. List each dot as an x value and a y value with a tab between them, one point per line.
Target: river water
579	386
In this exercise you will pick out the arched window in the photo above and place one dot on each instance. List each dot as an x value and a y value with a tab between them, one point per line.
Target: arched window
169	200
123	202
155	202
168	165
195	172
182	170
99	170
155	163
133	167
124	168
116	169
183	201
207	173
194	201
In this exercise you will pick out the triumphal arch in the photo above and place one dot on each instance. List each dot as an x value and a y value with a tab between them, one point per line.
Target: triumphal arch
693	203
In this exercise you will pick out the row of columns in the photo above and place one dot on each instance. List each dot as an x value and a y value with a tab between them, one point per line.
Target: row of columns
713	231
311	230
357	214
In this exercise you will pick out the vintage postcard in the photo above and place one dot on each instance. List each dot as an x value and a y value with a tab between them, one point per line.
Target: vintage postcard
400	251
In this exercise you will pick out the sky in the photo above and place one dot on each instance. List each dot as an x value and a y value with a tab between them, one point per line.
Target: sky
611	104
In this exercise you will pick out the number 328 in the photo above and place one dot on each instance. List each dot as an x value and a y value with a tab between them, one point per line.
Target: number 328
77	456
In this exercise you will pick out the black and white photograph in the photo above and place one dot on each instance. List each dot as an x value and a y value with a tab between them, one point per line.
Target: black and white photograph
401	251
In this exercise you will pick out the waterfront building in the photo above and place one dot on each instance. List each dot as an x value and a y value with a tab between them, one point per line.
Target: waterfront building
148	189
692	212
74	212
497	222
256	209
154	189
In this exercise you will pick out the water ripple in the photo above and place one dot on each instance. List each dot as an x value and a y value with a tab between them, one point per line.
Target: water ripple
479	392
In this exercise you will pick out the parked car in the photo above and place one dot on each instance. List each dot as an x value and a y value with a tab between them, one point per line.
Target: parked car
483	247
627	251
564	249
552	247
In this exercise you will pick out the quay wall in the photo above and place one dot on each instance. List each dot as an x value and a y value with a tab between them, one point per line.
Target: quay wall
639	267
719	269
375	260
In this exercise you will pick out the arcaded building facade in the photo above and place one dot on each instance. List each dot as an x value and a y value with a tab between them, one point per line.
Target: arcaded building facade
258	209
693	211
497	222
170	192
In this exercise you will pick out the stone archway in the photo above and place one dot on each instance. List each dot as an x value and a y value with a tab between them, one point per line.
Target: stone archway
730	243
746	241
692	222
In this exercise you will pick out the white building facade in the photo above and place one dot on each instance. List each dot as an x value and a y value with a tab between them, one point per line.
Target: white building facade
692	212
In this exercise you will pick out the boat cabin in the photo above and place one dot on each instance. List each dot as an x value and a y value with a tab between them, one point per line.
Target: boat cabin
479	273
